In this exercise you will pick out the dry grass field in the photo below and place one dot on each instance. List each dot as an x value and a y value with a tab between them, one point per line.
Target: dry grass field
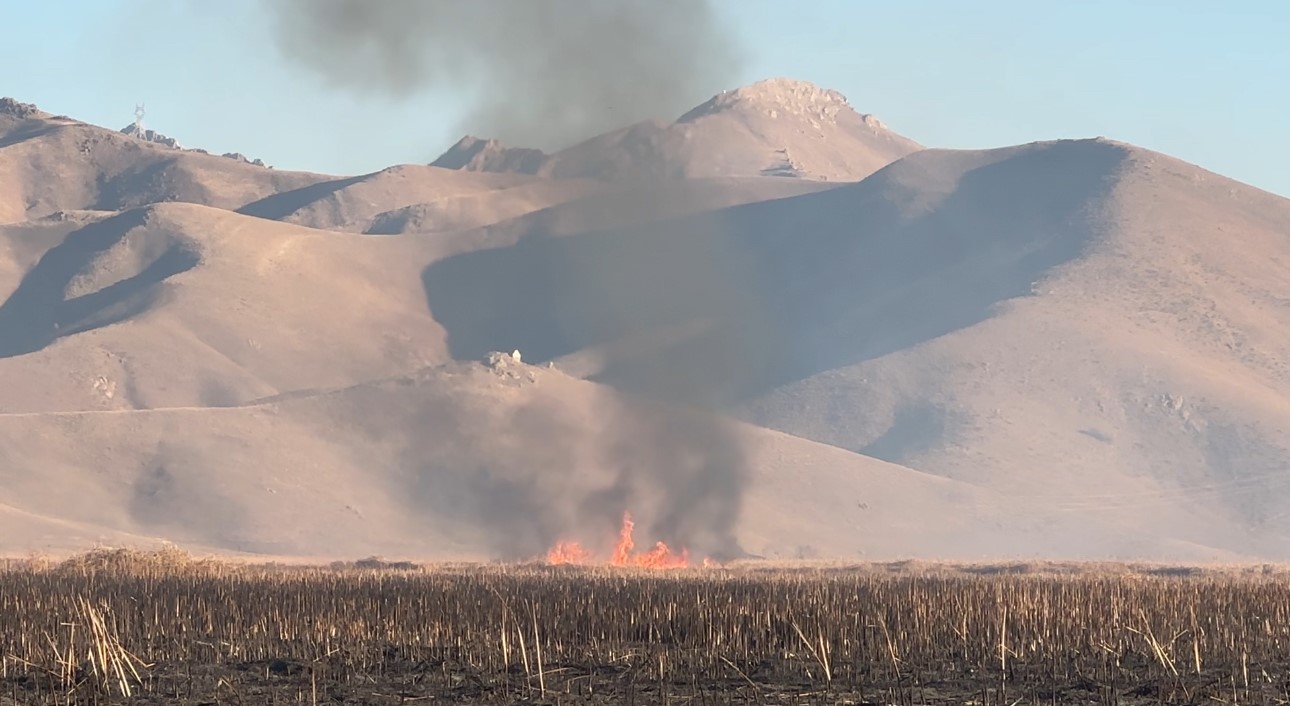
115	626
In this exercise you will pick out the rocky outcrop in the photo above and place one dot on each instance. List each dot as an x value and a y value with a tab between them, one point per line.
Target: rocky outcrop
156	138
133	130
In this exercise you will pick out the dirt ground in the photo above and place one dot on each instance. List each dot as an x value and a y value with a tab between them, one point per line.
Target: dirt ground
399	681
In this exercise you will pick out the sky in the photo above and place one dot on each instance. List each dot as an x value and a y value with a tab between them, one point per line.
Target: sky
1202	81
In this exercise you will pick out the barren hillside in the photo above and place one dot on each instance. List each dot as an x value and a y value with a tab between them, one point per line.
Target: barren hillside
410	198
777	127
54	163
1069	349
184	305
1158	353
1081	321
408	466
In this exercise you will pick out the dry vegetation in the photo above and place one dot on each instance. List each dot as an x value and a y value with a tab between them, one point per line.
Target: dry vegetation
111	626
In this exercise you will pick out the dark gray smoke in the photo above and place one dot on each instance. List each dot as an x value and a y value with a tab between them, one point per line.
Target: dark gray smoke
664	311
547	73
537	73
555	470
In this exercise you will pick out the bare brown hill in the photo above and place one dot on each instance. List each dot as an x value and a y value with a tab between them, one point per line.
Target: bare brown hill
619	205
52	163
963	354
185	305
792	274
415	199
411	198
460	462
1081	321
180	305
1157	354
778	127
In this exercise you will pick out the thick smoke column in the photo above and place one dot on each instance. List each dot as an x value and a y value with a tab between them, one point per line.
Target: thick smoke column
548	73
667	311
538	73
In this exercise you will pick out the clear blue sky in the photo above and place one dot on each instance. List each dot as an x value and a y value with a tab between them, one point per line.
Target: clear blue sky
1208	82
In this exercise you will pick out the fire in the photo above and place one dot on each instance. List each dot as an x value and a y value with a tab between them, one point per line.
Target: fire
659	557
568	553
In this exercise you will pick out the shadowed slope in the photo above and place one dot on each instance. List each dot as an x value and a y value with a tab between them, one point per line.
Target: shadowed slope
40	311
415	198
619	206
1148	374
1079	324
281	206
250	308
924	247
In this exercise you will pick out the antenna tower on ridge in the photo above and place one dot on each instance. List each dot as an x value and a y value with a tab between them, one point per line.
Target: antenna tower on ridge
138	119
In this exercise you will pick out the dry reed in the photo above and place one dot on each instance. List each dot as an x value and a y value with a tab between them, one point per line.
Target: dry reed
1106	637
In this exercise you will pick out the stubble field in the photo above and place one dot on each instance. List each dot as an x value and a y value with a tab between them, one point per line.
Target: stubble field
115	627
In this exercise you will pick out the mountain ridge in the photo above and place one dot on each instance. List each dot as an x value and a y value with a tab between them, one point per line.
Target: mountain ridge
735	133
913	352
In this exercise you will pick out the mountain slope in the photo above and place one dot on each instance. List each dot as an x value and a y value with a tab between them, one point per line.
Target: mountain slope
411	198
777	127
50	164
1081	322
184	305
1157	355
887	262
620	205
1066	349
424	466
177	305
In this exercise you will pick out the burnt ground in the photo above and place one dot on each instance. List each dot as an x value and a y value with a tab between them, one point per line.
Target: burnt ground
214	635
631	680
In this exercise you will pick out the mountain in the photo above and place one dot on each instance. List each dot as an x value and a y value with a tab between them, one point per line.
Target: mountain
1145	370
777	127
1064	349
398	467
180	305
411	198
1077	321
50	164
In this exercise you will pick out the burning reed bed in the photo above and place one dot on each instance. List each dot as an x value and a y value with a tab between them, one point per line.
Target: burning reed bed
165	631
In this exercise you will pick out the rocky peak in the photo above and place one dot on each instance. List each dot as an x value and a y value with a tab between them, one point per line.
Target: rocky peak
477	154
782	97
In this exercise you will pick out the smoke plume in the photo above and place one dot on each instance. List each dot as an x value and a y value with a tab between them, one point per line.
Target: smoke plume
664	312
547	73
536	73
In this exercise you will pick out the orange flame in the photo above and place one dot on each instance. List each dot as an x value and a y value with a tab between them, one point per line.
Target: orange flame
568	553
659	557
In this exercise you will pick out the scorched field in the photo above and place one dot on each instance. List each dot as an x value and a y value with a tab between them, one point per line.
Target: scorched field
119	627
